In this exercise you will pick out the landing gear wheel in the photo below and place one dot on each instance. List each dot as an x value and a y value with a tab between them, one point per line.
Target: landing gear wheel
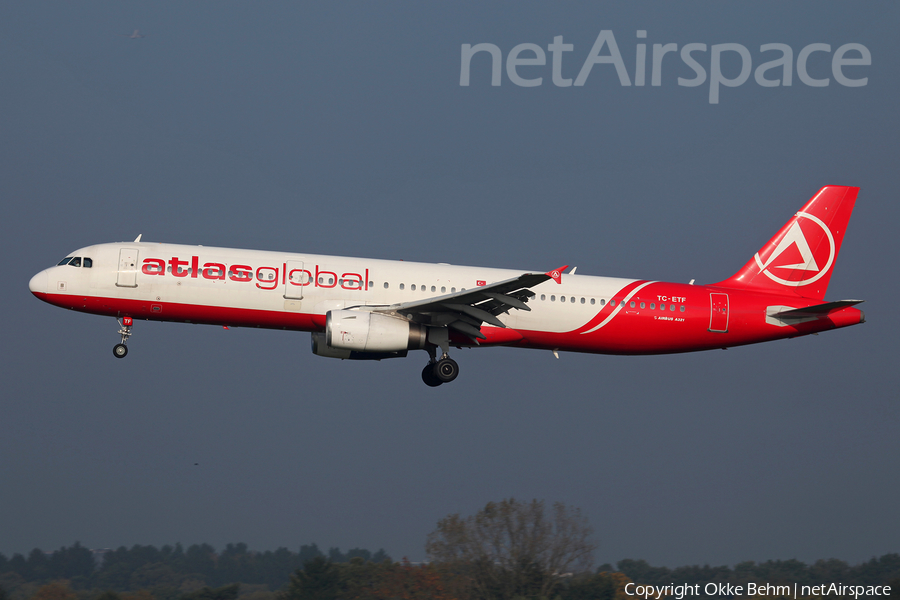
429	377
446	370
119	350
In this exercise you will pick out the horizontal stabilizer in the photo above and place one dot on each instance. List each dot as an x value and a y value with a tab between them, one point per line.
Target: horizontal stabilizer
815	311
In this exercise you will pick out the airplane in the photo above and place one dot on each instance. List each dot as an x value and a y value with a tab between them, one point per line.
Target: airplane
370	309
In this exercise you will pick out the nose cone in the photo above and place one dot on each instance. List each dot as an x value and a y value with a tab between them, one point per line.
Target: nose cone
38	283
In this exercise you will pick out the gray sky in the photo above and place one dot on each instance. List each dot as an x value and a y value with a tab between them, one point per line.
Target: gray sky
342	128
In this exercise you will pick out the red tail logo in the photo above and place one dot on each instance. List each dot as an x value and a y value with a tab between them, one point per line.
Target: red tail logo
799	259
792	261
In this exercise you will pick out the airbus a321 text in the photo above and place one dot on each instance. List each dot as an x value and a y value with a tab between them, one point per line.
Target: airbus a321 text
369	309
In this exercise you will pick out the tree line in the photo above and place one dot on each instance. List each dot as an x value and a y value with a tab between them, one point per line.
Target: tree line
509	550
167	572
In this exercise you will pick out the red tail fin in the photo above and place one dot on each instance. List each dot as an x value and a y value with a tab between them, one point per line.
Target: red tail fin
800	258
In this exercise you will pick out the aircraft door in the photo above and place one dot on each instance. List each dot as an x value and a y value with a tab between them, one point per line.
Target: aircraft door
718	315
296	278
127	275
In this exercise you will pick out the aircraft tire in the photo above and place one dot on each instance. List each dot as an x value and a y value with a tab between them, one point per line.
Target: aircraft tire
429	377
446	370
120	350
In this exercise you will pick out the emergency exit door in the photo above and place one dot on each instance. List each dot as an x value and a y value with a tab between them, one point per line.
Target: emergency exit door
718	314
296	278
127	275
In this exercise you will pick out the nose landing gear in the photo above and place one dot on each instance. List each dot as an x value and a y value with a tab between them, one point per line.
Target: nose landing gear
120	349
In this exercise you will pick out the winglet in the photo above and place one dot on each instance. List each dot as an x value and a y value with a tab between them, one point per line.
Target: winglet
138	238
556	274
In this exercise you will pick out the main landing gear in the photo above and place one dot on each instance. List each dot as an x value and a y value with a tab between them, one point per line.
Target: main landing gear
120	350
440	371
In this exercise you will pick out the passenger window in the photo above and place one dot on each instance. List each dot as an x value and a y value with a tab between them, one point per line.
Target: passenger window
543	296
652	305
682	308
602	301
64	261
582	300
443	289
593	300
76	262
453	290
672	307
642	305
632	304
553	298
413	287
401	286
386	285
562	298
88	263
433	289
572	299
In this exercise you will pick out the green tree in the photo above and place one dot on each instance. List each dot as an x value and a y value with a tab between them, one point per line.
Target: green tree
228	592
319	579
895	587
600	586
56	590
75	562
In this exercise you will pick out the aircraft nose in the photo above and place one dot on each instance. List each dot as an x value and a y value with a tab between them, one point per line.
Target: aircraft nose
38	283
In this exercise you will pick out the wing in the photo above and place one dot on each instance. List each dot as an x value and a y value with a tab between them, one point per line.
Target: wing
465	311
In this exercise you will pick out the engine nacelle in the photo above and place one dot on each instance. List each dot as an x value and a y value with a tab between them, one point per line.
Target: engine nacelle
364	331
320	348
363	335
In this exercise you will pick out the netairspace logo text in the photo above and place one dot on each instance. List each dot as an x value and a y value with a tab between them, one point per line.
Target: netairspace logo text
524	62
751	590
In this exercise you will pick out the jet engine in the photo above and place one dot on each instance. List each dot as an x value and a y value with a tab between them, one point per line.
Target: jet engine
363	335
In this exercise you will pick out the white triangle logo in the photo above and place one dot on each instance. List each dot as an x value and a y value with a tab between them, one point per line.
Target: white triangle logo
794	236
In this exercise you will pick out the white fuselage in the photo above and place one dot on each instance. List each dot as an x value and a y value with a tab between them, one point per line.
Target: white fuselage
297	283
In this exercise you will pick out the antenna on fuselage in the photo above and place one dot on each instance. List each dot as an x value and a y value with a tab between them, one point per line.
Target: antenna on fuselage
138	238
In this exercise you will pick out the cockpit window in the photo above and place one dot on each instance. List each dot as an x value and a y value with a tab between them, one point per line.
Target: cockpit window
88	263
76	262
64	261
